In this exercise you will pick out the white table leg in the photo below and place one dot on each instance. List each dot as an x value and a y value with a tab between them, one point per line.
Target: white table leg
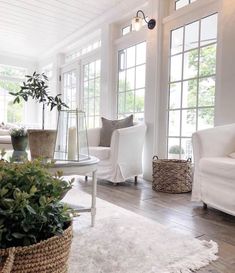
93	204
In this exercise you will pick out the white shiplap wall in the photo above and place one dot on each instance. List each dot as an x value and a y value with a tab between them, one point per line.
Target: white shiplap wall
31	27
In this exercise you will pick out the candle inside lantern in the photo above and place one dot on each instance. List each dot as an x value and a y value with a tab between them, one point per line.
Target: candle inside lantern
72	143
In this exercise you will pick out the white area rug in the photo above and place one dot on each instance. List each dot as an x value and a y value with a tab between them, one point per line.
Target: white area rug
124	242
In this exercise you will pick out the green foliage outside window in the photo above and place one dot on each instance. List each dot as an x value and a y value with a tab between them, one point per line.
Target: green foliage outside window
206	88
14	112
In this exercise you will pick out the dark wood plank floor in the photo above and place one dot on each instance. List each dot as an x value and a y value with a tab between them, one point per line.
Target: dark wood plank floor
177	212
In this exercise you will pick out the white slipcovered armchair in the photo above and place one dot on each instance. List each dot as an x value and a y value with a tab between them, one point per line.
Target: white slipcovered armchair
123	159
214	176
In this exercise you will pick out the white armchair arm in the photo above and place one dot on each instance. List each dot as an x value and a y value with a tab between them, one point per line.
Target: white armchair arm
215	142
218	141
93	137
127	147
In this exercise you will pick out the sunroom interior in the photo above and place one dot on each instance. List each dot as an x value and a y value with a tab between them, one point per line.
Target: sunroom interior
177	78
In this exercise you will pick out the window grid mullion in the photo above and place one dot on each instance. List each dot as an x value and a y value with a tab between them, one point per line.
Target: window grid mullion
181	103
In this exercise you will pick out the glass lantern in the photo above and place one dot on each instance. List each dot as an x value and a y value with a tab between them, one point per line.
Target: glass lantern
71	141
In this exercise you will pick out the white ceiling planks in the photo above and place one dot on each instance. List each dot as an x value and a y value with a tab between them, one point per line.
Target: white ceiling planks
31	27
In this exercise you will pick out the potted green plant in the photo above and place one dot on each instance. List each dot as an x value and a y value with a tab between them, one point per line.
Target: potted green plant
175	151
19	138
35	226
41	142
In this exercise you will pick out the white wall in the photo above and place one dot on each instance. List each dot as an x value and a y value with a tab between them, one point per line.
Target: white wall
225	99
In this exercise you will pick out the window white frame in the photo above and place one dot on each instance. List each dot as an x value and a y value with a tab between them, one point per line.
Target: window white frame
196	107
123	56
78	66
126	41
177	19
184	3
93	117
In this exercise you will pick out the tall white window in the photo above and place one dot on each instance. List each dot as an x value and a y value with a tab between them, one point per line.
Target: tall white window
131	81
182	3
10	80
191	83
91	93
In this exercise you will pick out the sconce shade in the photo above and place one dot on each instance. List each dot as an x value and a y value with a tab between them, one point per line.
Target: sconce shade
137	23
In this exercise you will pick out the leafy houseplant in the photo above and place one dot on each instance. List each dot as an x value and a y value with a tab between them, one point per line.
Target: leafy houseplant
30	207
41	142
36	87
19	138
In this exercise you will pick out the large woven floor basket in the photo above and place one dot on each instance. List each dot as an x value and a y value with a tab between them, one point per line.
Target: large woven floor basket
49	256
172	175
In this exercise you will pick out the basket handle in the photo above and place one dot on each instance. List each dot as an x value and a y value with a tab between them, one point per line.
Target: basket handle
189	160
9	261
155	157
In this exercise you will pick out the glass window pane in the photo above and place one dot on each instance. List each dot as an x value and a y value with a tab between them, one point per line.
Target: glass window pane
186	148
97	105
10	112
139	100
91	88
176	68
90	122
174	123
131	82
97	87
208	60
130	57
13	71
189	94
177	40
85	86
140	77
130	79
191	64
175	95
97	68
122	61
181	3
121	103
188	122
205	118
209	30
191	36
174	149
139	117
130	102
141	53
121	81
86	106
91	106
92	70
126	30
206	96
97	122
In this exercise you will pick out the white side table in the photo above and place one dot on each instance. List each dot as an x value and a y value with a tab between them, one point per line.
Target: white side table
81	168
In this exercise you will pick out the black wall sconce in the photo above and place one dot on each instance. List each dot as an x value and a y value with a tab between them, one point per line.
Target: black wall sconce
137	21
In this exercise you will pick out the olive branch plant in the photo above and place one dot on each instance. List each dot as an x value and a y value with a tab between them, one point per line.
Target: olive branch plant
36	87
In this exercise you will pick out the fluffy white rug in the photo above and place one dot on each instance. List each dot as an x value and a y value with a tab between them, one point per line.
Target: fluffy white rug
124	242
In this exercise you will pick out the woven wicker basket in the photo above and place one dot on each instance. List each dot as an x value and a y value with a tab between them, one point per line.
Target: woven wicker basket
172	175
49	256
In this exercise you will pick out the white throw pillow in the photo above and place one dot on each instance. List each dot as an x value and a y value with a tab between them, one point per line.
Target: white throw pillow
232	155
